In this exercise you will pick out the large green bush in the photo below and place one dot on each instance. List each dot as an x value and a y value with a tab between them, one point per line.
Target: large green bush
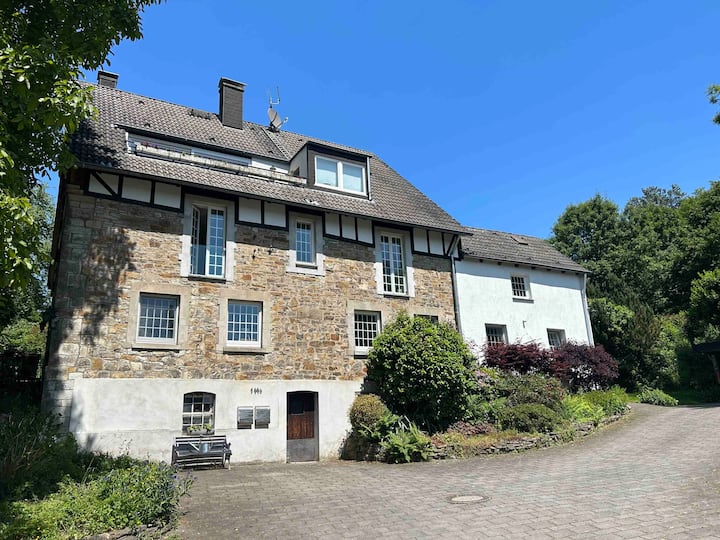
366	411
424	370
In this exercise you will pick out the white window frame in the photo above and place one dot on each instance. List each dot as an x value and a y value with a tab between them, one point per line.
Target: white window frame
228	209
175	319
364	349
404	242
205	417
526	287
254	343
316	268
339	164
561	337
503	330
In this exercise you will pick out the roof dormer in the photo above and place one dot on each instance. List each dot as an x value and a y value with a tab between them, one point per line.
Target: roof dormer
333	169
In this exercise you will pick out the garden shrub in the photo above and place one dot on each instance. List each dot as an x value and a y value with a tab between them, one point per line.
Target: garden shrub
366	411
530	418
580	410
468	429
654	396
613	401
485	412
583	367
532	388
406	444
517	357
424	370
34	454
145	493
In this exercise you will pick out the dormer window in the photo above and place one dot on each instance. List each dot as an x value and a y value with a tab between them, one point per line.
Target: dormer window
339	174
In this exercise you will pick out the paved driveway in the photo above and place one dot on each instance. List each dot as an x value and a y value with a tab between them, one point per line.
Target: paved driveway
654	474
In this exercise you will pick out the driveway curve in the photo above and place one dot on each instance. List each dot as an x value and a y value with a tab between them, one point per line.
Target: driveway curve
654	474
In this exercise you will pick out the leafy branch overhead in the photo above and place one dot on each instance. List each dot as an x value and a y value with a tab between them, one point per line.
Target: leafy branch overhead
44	46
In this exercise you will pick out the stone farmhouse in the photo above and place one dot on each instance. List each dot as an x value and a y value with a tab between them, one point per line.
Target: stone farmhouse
210	270
519	289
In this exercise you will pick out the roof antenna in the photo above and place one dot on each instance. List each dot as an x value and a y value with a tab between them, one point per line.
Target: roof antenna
275	122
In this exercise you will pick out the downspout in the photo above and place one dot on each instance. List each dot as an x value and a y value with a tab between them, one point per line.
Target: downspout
588	324
453	274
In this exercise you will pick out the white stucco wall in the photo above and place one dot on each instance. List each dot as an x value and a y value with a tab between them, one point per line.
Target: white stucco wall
141	416
485	297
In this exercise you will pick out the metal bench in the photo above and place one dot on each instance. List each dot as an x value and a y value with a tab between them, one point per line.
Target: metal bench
190	451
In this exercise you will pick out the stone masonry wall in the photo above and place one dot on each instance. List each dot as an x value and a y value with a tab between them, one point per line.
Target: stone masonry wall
110	250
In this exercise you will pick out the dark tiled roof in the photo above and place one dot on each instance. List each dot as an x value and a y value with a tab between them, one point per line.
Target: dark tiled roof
101	143
516	248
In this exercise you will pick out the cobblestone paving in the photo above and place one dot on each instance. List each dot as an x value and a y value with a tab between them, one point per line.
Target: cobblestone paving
654	474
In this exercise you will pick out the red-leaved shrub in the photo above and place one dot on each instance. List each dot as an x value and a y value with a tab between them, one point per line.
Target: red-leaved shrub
579	367
517	358
582	367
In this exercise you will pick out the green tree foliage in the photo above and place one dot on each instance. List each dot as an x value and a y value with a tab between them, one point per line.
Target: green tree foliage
21	309
644	262
713	94
44	45
424	370
704	312
590	233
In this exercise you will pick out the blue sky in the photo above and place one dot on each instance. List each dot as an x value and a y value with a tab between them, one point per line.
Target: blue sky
503	112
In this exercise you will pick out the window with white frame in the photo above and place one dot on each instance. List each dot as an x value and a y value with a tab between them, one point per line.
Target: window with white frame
339	174
244	323
496	333
207	251
157	318
556	338
305	243
198	410
366	329
394	271
520	287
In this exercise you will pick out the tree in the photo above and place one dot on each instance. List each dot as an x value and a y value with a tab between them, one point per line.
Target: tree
44	45
704	312
424	370
589	234
713	93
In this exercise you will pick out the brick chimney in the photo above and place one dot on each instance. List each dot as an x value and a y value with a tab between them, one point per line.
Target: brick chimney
105	78
231	102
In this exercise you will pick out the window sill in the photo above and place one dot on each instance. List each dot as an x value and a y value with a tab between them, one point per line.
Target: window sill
395	295
156	346
307	270
233	349
197	277
523	300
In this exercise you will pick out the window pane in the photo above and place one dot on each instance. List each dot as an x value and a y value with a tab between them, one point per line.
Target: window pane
243	323
518	286
207	252
495	334
157	317
394	278
353	178
304	250
367	327
198	409
326	172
